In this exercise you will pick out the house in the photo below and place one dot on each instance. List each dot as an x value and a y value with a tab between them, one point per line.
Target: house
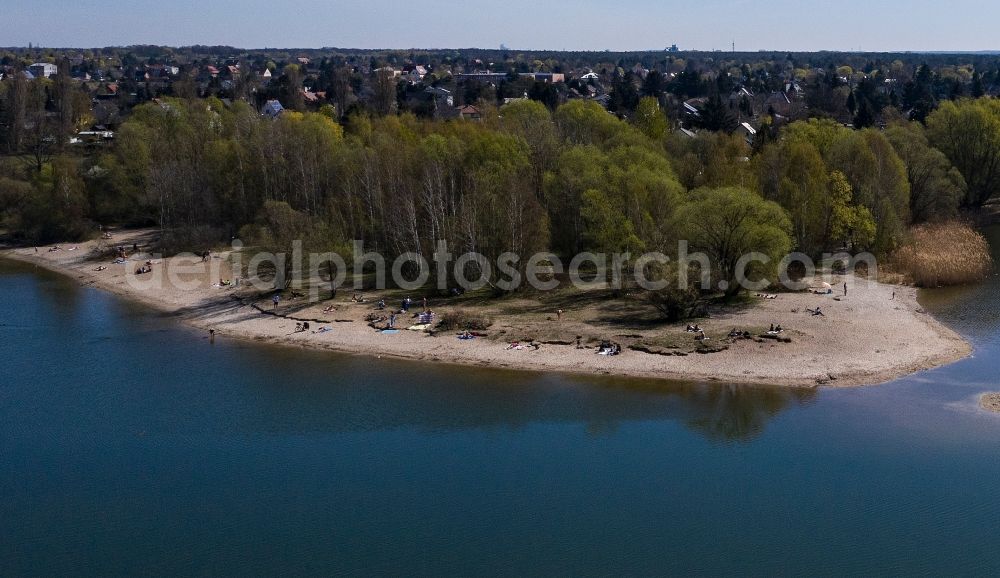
486	77
546	77
308	96
692	107
741	101
109	92
778	102
273	109
749	133
414	73
510	99
43	69
590	76
442	97
794	89
469	112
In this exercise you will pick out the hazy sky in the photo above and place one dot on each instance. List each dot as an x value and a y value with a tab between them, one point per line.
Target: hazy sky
520	24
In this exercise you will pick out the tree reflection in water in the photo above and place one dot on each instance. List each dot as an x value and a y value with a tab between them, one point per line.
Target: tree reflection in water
739	412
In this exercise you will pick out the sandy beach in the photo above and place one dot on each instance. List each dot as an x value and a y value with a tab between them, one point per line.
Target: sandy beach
876	333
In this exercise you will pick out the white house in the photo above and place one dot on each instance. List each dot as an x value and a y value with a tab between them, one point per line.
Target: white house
43	69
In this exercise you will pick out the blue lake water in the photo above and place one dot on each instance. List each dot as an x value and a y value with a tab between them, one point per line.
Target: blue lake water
130	445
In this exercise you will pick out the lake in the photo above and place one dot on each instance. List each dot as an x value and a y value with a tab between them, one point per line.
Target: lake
130	445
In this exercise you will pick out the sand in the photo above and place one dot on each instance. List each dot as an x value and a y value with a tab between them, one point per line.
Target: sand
866	337
990	401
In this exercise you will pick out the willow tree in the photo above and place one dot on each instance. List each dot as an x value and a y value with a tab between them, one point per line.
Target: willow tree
728	225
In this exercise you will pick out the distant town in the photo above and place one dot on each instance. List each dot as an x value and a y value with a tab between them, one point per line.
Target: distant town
697	90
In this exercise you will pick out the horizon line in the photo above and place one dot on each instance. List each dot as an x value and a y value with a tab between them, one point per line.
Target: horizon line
995	51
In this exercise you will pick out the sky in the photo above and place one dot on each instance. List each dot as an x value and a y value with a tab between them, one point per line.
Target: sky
803	25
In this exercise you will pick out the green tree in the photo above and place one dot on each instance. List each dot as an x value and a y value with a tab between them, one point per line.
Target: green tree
936	186
968	133
850	223
650	119
728	224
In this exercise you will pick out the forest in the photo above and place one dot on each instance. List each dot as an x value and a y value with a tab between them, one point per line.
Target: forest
524	177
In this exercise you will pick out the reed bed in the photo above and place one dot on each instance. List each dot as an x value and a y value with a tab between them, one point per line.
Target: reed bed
940	254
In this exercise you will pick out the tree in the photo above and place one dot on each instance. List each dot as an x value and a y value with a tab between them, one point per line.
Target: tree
729	223
650	119
653	84
878	180
385	91
968	133
977	90
545	93
850	223
852	104
936	186
606	228
290	84
532	121
715	115
864	118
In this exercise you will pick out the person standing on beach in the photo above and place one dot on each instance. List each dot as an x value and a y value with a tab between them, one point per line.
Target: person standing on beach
275	300
845	288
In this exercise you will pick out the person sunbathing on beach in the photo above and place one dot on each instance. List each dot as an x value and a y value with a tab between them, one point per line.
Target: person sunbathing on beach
329	309
101	268
322	330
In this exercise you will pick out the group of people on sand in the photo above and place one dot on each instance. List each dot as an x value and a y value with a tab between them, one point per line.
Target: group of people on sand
300	327
144	269
775	329
609	348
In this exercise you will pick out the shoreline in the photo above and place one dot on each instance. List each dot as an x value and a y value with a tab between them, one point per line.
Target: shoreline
865	338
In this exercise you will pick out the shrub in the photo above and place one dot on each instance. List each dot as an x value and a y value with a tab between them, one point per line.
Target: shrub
949	253
462	319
